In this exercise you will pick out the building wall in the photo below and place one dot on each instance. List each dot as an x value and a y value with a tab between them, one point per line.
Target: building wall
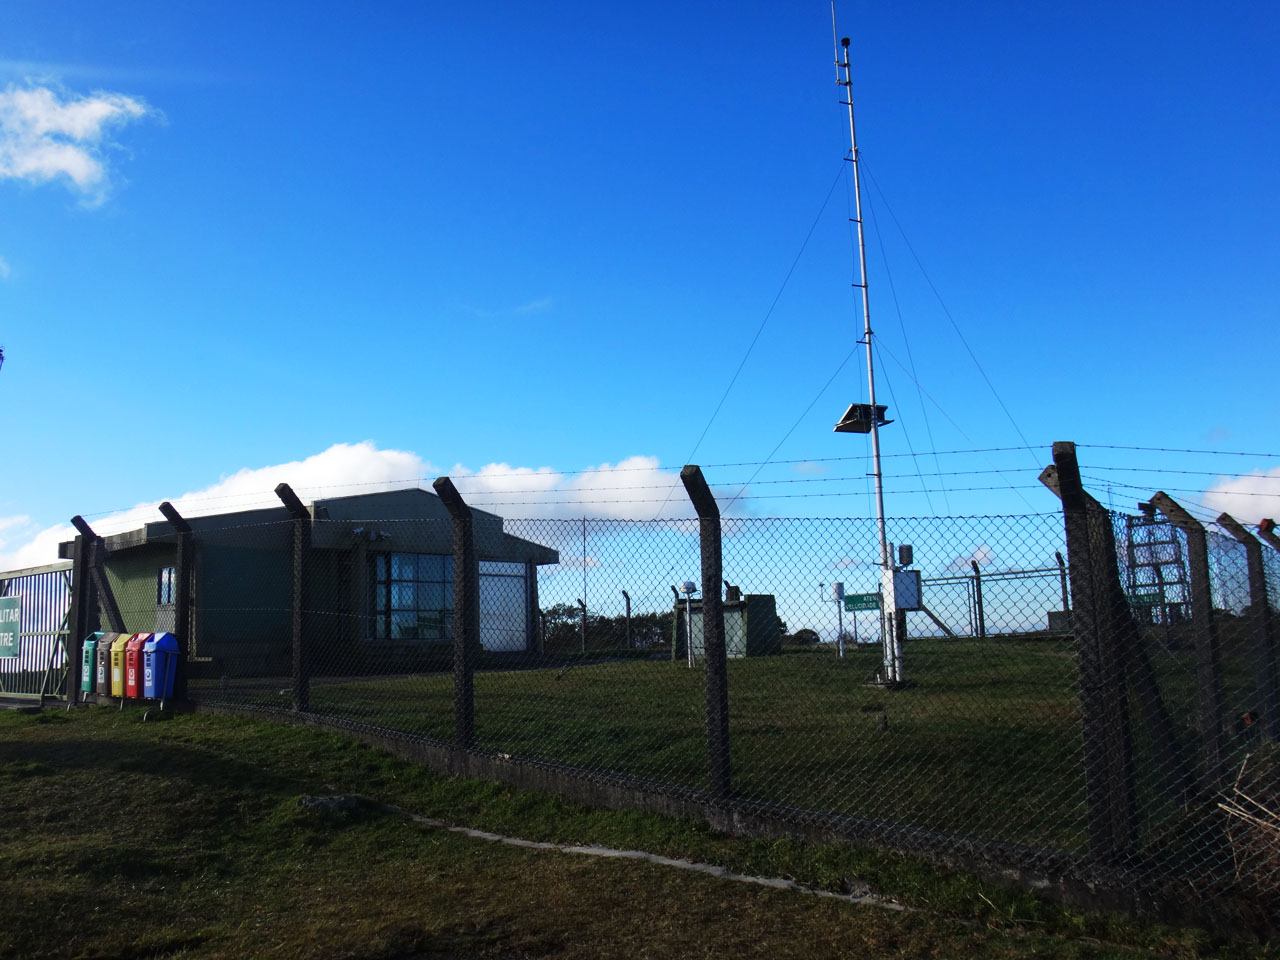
242	585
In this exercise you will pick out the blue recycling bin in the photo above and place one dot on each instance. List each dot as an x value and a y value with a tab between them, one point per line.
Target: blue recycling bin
87	661
159	664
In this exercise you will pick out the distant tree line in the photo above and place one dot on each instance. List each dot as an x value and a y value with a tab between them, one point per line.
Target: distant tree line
562	626
562	630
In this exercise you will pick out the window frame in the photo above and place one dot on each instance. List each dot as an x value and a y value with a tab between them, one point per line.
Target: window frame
166	585
400	585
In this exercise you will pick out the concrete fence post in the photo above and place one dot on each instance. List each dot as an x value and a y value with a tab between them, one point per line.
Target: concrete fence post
466	612
713	643
1108	760
301	554
97	573
182	577
1267	698
1209	711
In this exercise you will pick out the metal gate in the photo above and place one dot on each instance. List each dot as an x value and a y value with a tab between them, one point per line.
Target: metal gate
37	668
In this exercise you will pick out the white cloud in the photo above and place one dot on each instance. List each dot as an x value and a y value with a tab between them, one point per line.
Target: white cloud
633	489
852	563
982	555
540	305
23	544
1248	498
533	306
809	468
44	137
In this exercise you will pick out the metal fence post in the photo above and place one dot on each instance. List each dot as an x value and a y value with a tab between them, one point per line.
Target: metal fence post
1108	761
977	598
627	597
675	623
182	576
1264	649
298	620
713	645
1062	578
466	612
1208	661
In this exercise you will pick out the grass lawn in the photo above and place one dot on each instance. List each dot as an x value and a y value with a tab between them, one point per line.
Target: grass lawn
186	839
987	744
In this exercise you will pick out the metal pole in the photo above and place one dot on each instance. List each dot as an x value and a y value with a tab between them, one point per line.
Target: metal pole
675	624
583	626
977	593
847	83
840	627
627	597
688	625
1062	575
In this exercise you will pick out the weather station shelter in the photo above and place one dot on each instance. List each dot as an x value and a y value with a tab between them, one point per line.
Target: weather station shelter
379	585
750	626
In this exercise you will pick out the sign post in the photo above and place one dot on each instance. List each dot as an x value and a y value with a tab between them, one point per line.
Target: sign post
10	626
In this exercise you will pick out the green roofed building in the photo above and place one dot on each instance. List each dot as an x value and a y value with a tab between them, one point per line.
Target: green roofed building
379	591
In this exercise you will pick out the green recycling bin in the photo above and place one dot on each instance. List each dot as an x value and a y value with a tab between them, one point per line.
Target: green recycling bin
88	661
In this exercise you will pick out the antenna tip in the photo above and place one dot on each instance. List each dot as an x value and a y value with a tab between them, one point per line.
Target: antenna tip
844	41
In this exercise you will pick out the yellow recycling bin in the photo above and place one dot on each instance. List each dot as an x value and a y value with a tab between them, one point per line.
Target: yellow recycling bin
117	664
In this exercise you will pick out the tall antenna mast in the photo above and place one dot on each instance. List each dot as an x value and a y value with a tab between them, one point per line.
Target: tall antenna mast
875	412
869	417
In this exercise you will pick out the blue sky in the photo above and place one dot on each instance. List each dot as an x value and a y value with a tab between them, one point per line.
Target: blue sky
542	236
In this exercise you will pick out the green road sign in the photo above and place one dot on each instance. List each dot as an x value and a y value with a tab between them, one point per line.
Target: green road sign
861	601
1144	599
10	616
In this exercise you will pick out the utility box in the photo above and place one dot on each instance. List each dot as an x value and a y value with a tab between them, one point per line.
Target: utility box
750	627
133	664
88	661
117	664
102	664
901	589
159	666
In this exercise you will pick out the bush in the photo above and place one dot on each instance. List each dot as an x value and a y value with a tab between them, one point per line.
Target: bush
804	637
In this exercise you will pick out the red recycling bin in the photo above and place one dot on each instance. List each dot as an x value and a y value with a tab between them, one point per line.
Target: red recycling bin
133	664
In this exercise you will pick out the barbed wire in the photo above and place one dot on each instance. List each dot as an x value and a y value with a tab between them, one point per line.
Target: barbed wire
1216	453
767	496
251	499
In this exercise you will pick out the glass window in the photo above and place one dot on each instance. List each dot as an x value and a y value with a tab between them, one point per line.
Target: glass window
412	597
501	568
164	586
402	597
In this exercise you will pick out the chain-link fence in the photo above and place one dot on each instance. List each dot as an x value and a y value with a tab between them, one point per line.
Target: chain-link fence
1094	699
